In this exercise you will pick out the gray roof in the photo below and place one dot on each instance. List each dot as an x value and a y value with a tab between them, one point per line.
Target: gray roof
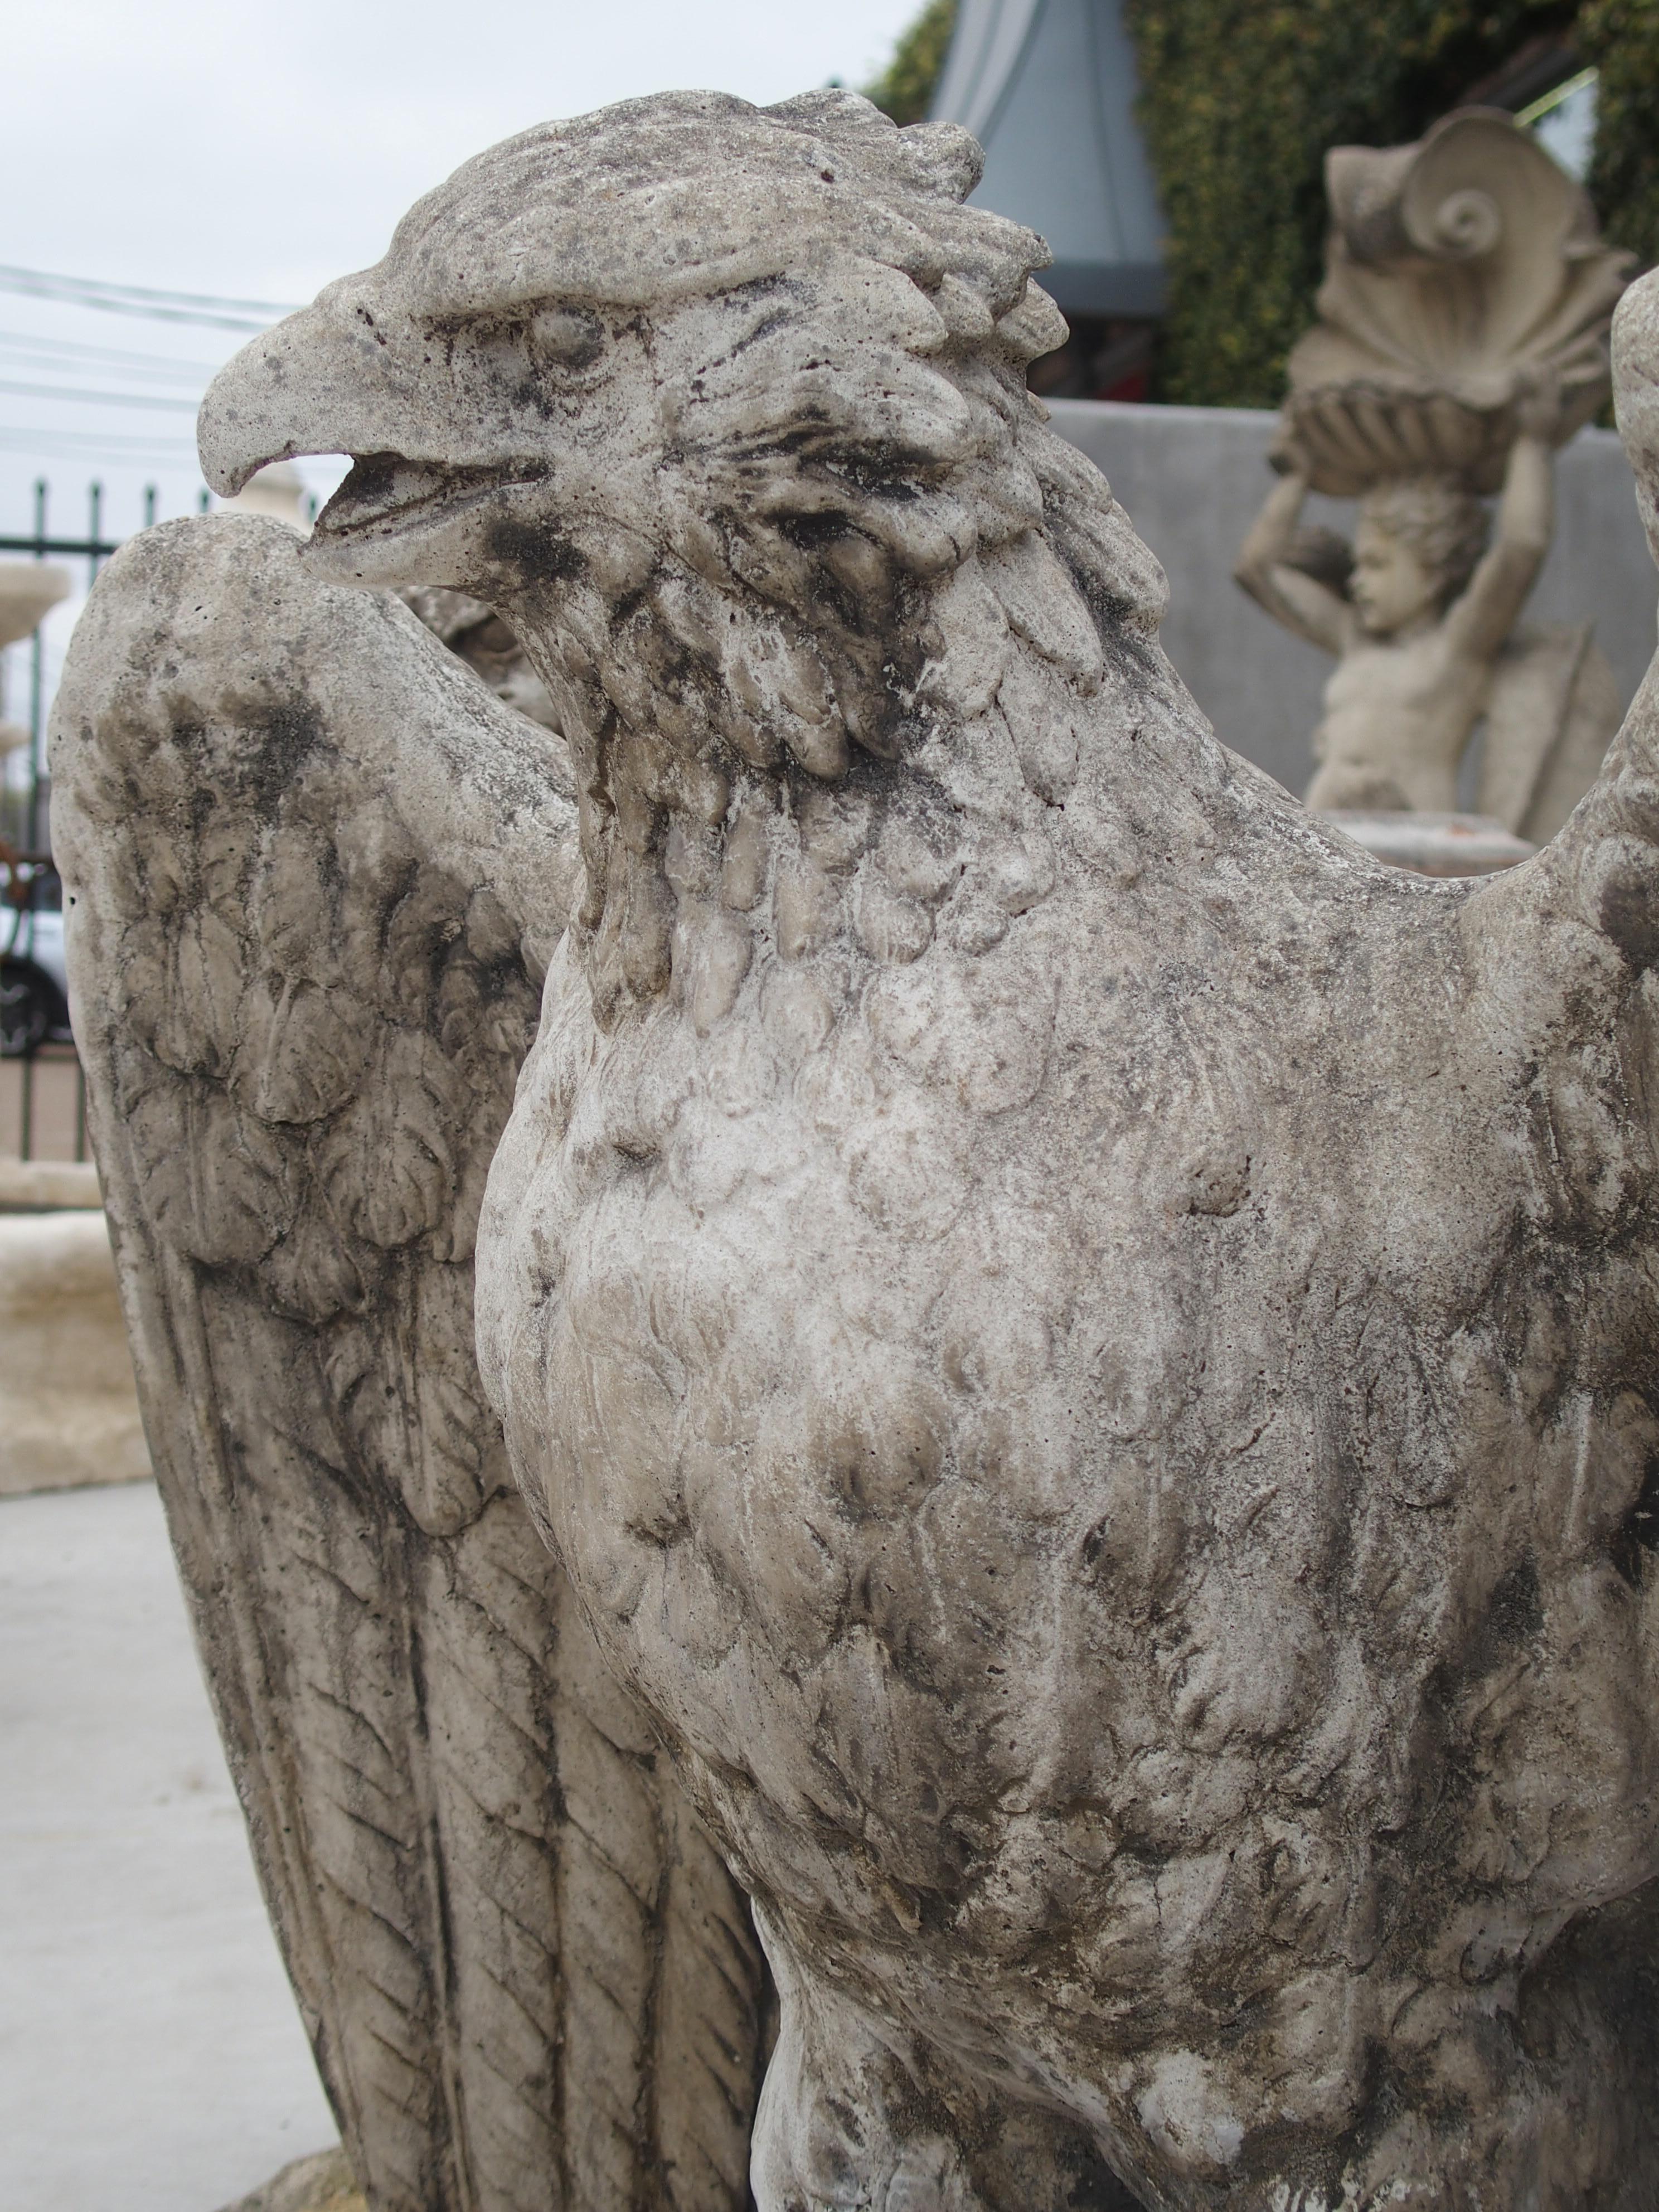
1049	86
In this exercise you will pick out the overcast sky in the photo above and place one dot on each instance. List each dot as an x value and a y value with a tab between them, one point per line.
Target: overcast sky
217	146
242	148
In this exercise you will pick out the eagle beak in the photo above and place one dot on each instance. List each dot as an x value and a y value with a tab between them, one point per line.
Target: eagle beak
434	478
320	382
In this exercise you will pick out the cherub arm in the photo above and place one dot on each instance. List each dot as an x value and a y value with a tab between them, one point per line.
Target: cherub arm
1312	610
1483	616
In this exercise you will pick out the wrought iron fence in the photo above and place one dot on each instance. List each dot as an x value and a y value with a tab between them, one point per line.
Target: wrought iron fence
43	1097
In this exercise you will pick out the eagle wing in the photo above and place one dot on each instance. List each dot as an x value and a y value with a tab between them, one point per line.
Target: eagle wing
314	873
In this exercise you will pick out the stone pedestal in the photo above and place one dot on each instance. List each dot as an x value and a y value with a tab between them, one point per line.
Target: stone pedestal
1433	844
68	1411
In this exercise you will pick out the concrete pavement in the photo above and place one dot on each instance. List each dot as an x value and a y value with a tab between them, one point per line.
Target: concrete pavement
151	2059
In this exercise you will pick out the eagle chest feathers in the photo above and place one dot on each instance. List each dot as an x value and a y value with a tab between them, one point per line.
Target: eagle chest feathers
905	1303
897	1292
774	1262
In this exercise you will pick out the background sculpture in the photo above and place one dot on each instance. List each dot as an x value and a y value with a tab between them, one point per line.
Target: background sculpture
1462	337
1085	1351
28	592
478	634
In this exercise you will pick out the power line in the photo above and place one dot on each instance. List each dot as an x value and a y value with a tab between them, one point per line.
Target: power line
125	307
146	292
160	366
84	440
107	398
202	307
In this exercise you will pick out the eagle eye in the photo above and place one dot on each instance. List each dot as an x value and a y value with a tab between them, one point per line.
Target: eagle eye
573	337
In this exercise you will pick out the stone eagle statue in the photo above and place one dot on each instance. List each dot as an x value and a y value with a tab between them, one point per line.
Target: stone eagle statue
1078	1356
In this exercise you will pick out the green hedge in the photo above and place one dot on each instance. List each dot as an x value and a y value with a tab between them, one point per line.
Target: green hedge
1621	36
1240	100
906	86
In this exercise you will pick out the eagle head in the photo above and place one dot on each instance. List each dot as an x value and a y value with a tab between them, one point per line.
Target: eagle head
614	333
724	408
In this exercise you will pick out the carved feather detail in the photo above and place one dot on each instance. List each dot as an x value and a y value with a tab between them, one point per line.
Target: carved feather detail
530	1982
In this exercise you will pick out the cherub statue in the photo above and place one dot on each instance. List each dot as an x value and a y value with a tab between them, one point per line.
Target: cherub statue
1418	409
1420	616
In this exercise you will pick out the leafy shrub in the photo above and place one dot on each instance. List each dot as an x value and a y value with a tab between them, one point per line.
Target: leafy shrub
1240	101
1621	36
905	85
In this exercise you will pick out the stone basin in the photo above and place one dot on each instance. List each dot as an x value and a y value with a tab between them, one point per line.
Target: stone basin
28	591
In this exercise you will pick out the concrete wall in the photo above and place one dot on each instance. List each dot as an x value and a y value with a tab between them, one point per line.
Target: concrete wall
69	1407
1193	478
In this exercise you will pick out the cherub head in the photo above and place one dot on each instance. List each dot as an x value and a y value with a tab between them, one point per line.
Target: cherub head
1416	547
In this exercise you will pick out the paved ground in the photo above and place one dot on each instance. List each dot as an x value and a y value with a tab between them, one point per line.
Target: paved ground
150	2056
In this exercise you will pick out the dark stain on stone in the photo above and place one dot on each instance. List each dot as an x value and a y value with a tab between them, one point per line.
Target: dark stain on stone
1639	1532
536	549
279	742
1629	918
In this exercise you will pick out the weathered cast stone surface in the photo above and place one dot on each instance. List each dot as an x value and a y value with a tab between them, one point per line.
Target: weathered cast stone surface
1462	336
528	1977
1086	1349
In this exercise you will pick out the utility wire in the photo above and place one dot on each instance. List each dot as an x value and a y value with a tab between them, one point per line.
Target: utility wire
95	437
84	441
146	292
161	367
202	308
146	295
107	398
